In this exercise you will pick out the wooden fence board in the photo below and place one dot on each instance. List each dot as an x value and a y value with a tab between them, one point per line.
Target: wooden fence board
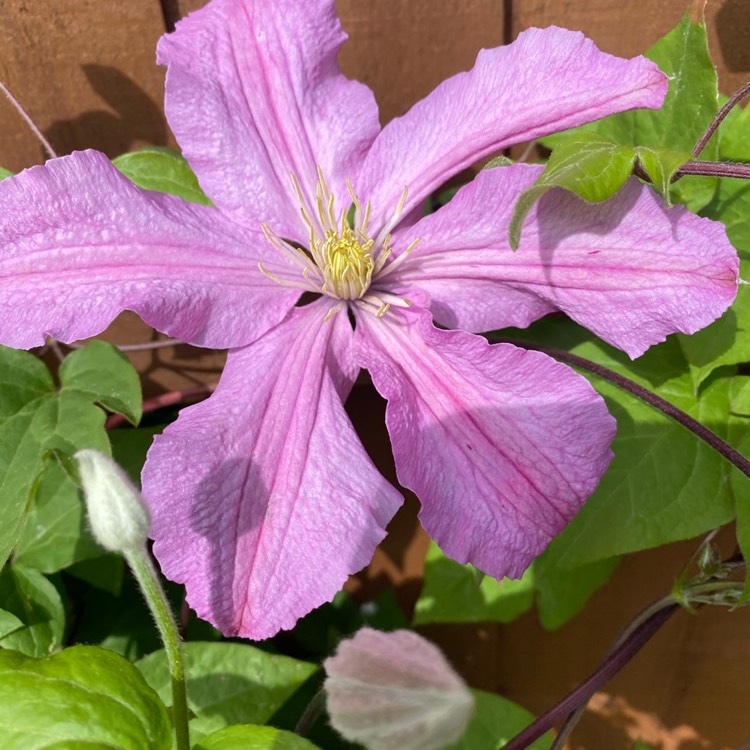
629	27
402	50
407	48
84	70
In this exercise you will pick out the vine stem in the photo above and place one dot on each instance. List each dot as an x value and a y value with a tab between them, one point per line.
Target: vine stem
639	632
27	119
145	346
573	718
715	169
657	402
735	99
159	402
633	637
644	625
311	713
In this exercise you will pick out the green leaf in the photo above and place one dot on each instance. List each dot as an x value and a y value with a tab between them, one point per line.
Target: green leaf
498	161
129	448
726	341
103	372
23	378
664	483
163	170
55	534
8	623
229	683
741	401
661	164
496	721
690	105
739	482
587	164
38	422
691	102
120	623
561	594
82	697
733	136
27	594
453	592
246	737
594	168
105	572
5	173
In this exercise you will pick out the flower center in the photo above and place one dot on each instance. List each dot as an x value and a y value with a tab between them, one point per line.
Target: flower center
341	260
348	263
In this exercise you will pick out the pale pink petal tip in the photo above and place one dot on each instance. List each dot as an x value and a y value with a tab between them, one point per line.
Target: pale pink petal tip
395	690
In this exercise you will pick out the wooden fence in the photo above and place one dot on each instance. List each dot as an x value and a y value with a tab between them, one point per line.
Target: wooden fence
84	70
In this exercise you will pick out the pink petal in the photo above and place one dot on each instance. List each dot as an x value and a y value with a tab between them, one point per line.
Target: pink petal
79	243
629	269
262	497
501	445
253	92
545	81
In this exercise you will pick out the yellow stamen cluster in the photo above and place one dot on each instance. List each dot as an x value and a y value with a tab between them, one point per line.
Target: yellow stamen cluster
341	260
348	263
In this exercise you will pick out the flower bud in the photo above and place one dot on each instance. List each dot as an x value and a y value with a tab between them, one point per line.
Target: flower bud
395	690
117	514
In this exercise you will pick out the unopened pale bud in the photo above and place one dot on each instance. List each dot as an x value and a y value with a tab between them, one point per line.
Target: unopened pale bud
117	515
395	690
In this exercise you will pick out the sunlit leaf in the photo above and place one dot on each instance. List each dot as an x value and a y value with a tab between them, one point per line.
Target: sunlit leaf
587	164
229	683
496	721
453	592
246	737
690	105
82	697
164	170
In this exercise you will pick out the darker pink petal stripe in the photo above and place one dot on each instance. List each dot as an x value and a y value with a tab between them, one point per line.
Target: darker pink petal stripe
629	269
79	243
263	499
501	445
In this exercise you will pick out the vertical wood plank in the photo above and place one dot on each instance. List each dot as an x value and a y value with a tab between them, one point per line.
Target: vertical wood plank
629	27
85	71
402	50
183	7
687	689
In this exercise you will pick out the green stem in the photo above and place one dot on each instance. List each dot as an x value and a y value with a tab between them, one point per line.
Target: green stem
145	573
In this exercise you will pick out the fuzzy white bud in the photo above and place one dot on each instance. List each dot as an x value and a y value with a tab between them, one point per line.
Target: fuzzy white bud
117	514
395	690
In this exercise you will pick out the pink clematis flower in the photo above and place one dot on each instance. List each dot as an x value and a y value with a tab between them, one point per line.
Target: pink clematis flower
262	497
